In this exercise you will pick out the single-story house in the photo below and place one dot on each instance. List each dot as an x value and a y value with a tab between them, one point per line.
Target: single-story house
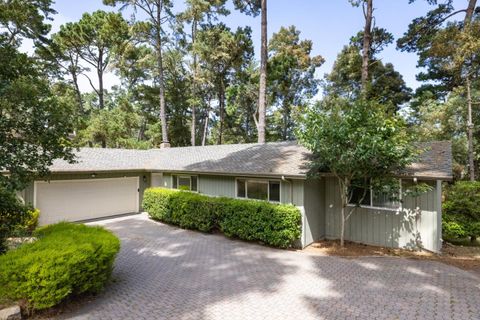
107	182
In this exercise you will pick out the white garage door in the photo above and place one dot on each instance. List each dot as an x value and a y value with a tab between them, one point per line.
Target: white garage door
74	200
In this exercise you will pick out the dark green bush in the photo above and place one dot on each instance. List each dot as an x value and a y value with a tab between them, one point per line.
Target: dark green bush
274	224
67	259
13	214
278	225
461	211
184	209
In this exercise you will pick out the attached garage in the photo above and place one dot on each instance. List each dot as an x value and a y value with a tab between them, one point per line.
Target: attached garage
83	199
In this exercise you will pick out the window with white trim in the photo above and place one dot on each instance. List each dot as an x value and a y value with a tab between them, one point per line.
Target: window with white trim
185	182
378	197
268	190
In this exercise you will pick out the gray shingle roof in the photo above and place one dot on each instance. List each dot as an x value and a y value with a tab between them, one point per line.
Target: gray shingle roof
99	159
278	158
434	161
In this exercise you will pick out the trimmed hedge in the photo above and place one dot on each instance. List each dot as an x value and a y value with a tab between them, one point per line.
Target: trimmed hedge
67	259
277	225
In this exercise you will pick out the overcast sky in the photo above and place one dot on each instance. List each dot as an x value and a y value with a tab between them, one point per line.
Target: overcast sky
328	23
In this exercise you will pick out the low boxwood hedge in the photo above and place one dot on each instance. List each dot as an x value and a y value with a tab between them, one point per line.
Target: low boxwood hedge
67	259
277	225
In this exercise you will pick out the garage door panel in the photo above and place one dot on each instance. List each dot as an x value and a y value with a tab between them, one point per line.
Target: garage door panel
76	200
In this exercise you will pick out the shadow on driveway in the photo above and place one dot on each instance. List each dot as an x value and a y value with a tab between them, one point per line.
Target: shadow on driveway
163	272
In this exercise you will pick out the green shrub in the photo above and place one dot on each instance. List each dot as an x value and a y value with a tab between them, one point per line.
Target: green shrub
461	210
277	225
67	259
273	224
13	214
184	209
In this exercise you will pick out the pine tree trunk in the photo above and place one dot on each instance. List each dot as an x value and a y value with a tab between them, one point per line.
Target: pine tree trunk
221	102
286	112
471	163
161	91
195	91
367	42
205	128
100	80
78	93
262	97
470	9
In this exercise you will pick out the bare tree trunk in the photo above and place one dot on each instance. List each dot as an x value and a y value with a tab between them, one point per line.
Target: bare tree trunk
195	91
205	128
141	132
471	163
285	120
367	41
344	197
78	93
158	35
100	80
221	102
470	9
262	97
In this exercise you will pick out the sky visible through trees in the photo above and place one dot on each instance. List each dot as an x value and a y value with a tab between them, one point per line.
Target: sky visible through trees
150	73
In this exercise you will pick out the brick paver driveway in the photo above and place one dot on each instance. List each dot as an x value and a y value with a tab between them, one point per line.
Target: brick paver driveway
167	273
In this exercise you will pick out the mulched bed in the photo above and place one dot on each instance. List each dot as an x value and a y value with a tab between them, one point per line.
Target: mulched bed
464	257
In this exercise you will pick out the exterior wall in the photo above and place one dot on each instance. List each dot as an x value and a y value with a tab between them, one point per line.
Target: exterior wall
167	180
156	180
220	186
313	222
224	186
389	228
145	181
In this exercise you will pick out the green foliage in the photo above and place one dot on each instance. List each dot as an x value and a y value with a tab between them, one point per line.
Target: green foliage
24	19
291	75
461	210
94	39
34	124
67	259
249	7
185	209
13	215
386	85
274	224
355	140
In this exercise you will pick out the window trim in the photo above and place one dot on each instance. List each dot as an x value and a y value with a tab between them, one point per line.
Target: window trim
265	181
189	176
371	206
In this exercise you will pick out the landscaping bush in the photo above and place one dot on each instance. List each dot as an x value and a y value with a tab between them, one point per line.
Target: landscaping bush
67	259
13	215
184	209
461	211
277	225
274	224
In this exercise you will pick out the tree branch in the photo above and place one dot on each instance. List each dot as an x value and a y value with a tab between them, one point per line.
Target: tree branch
91	84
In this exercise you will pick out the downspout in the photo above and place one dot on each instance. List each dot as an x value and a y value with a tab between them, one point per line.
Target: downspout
291	188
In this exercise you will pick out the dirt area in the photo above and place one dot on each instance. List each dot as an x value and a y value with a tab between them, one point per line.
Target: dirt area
464	257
